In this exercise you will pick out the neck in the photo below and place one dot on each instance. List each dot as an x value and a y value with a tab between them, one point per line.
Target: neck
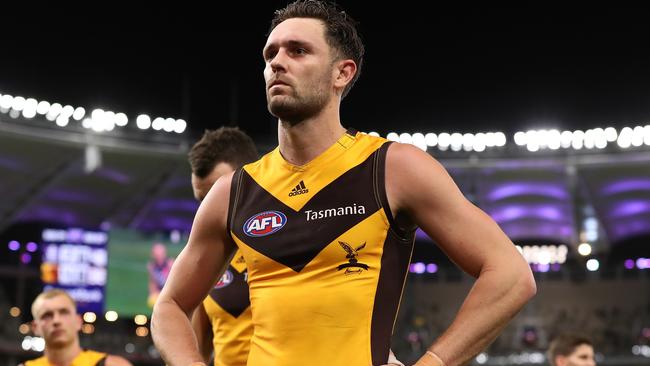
302	142
63	356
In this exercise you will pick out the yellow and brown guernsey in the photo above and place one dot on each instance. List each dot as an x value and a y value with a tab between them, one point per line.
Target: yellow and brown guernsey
85	358
228	307
326	263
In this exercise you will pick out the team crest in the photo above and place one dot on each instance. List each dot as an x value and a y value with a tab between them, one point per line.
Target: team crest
264	223
225	280
353	265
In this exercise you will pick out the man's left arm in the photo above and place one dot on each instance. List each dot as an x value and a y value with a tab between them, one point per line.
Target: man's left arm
419	186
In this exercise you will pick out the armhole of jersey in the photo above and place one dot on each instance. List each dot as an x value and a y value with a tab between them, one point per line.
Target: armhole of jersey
380	192
234	196
102	361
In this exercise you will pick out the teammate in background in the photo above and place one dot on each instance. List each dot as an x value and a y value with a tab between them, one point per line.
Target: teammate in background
158	269
571	350
223	321
326	222
56	320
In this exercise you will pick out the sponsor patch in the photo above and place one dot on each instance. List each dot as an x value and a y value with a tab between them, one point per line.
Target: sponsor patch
264	223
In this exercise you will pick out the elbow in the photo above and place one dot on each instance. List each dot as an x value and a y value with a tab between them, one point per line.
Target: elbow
527	285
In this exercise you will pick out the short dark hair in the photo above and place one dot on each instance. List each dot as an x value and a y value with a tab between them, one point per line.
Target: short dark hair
223	145
340	29
565	344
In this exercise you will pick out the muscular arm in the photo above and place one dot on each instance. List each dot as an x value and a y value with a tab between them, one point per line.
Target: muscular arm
419	186
196	269
203	330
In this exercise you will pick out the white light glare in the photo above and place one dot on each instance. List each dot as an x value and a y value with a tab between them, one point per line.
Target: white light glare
143	122
593	265
584	249
181	125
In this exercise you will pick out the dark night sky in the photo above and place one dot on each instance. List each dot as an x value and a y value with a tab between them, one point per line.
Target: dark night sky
459	68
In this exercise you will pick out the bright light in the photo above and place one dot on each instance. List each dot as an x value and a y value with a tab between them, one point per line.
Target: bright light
142	331
87	123
431	139
140	319
88	328
392	136
593	265
158	123
79	113
168	126
121	119
181	125
62	120
372	133
24	328
584	249
89	317
143	122
14	311
18	103
500	139
6	101
481	358
111	316
42	107
520	138
405	138
67	111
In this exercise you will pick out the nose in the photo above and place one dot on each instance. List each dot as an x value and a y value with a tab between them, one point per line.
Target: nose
278	62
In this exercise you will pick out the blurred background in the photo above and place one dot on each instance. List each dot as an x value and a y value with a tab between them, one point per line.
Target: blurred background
540	114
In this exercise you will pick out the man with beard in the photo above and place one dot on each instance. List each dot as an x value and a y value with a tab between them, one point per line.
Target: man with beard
326	223
56	320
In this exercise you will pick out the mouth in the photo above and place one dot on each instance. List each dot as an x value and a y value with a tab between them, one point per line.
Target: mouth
277	83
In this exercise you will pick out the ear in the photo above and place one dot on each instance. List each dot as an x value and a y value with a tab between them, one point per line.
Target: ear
78	322
344	72
35	329
560	360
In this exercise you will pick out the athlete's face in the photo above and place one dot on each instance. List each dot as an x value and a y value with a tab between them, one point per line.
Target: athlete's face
299	71
57	321
583	355
201	186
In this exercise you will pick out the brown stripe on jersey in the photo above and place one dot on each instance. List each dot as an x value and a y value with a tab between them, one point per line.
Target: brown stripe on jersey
234	189
233	298
394	265
300	240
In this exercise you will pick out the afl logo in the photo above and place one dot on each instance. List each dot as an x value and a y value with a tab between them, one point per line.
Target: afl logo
264	223
225	280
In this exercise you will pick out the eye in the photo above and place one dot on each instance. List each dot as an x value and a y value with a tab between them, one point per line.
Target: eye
300	51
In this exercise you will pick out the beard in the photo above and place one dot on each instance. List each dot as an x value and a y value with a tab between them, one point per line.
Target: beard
296	107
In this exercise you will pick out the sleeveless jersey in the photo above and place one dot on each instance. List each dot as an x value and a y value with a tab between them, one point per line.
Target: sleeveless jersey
228	308
326	261
85	358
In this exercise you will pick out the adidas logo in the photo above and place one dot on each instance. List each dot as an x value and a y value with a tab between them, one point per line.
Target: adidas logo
299	189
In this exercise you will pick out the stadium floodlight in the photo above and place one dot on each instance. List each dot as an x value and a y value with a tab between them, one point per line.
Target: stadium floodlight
42	107
180	126
121	119
67	111
158	123
392	136
18	103
143	121
79	113
405	138
5	101
431	139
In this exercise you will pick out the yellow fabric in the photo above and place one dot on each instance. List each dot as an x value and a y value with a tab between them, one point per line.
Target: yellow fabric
322	314
231	335
278	176
85	358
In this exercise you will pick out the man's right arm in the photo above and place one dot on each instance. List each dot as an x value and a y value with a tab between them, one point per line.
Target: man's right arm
196	269
203	330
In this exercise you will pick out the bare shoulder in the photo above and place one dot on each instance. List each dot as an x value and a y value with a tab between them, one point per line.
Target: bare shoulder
414	177
406	158
114	360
